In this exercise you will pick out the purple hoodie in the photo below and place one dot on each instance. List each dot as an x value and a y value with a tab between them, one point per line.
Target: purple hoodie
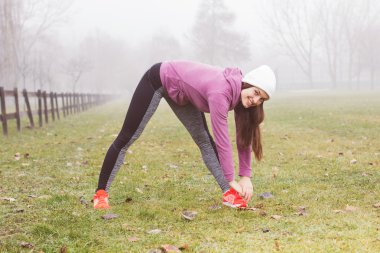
213	90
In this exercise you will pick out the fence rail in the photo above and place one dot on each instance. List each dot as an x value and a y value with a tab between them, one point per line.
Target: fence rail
47	104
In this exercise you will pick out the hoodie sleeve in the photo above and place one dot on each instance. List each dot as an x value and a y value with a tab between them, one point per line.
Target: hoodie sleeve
244	153
219	113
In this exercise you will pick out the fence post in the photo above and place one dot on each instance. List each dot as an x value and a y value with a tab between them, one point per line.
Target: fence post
63	104
52	105
39	95
82	101
15	92
77	102
67	103
3	112
29	110
87	101
56	104
45	107
71	102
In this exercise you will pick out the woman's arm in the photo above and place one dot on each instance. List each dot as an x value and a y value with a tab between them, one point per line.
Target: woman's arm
245	158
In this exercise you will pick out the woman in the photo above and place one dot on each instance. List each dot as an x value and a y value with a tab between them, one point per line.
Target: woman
191	89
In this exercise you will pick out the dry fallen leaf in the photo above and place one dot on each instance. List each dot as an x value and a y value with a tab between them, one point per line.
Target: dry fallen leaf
184	247
274	172
239	230
215	207
338	211
351	208
110	216
353	161
276	245
44	197
276	217
155	251
263	213
170	248
259	206
83	201
133	239
173	166
189	215
17	156
63	249
127	227
26	245
301	211
154	231
266	195
8	199
377	205
139	190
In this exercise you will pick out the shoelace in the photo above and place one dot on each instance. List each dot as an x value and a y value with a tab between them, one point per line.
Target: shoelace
102	199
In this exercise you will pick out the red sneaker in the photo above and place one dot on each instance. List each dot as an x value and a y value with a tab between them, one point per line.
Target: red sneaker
101	200
232	199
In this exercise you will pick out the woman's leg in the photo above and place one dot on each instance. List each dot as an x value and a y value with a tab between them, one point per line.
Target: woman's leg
195	123
144	103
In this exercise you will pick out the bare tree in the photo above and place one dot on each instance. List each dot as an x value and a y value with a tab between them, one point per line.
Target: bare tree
22	24
9	12
163	46
214	37
294	25
75	68
333	38
370	51
38	16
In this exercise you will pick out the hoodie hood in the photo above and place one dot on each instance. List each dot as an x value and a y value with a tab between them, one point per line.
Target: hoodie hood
234	77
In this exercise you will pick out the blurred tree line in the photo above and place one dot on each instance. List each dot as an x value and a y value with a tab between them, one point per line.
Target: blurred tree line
340	37
331	41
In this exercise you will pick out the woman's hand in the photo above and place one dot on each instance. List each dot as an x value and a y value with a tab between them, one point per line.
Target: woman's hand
246	187
236	186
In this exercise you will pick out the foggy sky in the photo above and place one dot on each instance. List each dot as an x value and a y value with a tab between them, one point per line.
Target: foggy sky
137	20
309	43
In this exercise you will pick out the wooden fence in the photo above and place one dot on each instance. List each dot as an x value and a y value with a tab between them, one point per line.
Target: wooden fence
47	104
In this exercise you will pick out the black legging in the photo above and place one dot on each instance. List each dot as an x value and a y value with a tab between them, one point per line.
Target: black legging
144	103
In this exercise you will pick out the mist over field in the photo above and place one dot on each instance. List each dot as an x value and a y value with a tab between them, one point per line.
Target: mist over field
98	46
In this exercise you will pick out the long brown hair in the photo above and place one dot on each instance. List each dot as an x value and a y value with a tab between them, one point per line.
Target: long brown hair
248	126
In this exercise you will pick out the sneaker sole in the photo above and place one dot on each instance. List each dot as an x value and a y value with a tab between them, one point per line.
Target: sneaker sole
231	205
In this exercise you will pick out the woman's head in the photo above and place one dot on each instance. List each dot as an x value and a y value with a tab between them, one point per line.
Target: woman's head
257	86
248	119
262	77
252	96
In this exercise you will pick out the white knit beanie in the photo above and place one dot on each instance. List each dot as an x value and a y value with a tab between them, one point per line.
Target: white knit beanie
262	77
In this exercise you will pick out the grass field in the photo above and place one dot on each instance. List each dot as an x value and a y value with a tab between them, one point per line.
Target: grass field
321	152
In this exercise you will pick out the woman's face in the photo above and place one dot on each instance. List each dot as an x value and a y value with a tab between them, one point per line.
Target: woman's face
253	96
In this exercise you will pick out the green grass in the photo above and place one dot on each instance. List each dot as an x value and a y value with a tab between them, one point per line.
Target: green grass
302	136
